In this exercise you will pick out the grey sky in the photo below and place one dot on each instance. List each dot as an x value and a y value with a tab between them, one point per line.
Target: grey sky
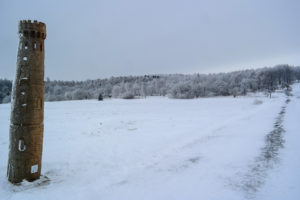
95	39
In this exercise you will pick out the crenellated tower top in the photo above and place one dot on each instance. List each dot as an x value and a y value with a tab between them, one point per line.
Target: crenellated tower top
32	29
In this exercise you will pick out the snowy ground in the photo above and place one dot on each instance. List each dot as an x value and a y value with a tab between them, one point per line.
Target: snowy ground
159	148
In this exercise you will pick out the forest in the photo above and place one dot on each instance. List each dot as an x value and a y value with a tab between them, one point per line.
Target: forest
180	86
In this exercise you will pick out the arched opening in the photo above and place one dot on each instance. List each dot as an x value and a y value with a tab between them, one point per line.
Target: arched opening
38	35
26	33
21	145
41	47
34	45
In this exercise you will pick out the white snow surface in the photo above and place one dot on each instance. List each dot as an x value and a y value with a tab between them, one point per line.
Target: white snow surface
160	148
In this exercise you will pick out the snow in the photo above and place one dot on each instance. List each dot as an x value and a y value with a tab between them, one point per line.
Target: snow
284	180
160	148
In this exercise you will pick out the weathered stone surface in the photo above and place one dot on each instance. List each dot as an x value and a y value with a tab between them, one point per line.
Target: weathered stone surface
27	114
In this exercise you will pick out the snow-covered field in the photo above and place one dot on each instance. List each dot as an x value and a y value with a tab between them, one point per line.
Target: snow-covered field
159	148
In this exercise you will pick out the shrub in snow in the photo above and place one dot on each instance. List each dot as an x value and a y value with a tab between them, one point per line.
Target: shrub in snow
257	102
50	97
100	97
182	91
80	94
116	91
68	95
6	99
128	96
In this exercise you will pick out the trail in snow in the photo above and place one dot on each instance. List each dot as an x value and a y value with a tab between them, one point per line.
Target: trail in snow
283	181
269	156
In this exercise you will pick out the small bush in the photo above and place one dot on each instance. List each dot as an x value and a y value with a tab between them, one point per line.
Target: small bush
128	96
257	102
6	99
100	97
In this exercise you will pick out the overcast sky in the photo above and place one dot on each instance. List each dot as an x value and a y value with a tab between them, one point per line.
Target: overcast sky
102	38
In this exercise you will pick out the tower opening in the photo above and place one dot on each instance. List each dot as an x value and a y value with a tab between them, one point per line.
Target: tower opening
26	45
32	34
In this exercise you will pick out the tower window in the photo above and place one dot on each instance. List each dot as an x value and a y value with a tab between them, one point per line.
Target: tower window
34	45
25	58
32	34
26	45
24	75
26	33
38	34
41	47
23	82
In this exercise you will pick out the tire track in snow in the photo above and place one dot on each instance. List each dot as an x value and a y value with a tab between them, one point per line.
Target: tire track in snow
269	156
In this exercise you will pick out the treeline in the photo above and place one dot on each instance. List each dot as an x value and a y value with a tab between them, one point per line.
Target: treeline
174	85
5	90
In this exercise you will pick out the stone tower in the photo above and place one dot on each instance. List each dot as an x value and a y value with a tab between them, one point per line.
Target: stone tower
27	113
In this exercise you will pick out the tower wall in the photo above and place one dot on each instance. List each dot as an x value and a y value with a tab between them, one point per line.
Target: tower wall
27	113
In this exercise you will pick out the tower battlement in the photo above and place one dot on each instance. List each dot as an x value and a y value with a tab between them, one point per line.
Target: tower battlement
33	29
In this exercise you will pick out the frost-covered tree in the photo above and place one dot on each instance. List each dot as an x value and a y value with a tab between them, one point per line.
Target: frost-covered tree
5	90
116	91
172	85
